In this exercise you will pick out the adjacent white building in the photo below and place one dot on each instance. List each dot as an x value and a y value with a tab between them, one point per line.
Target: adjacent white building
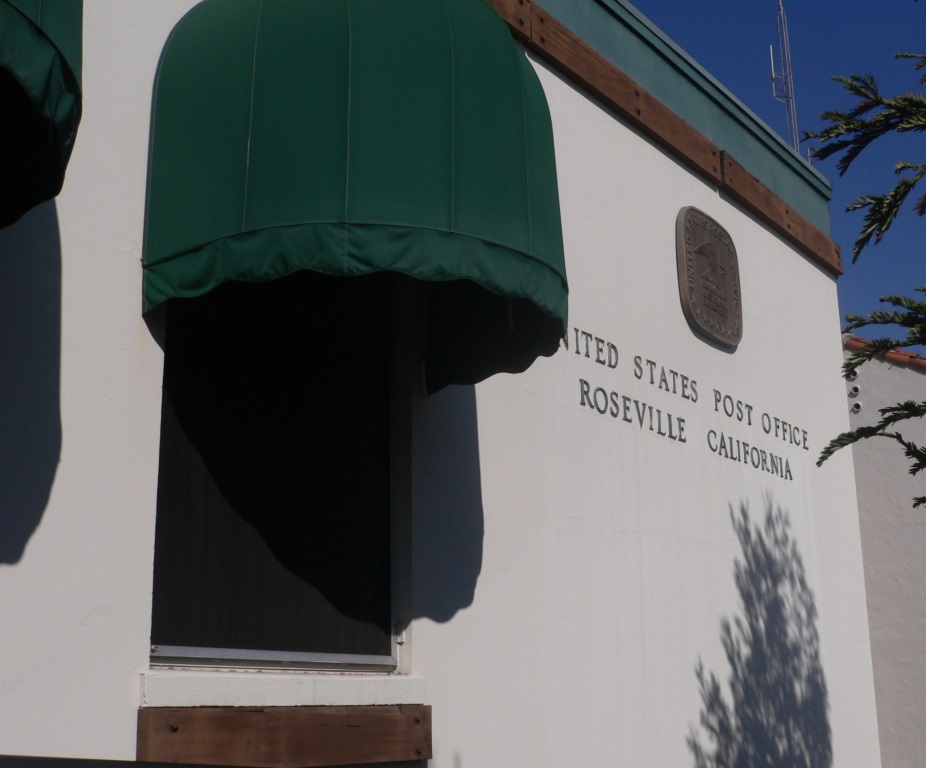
892	539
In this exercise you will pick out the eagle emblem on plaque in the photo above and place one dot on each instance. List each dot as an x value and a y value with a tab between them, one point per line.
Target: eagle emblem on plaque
708	278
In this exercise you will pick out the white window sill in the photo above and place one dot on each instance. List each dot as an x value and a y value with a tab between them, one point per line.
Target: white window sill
184	687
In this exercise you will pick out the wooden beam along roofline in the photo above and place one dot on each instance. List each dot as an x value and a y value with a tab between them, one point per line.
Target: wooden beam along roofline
570	55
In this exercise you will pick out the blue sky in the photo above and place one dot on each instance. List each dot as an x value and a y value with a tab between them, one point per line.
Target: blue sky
730	38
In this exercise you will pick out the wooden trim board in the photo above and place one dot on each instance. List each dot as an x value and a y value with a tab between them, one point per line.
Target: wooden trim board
284	737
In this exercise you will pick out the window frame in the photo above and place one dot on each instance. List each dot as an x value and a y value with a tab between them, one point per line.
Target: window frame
406	307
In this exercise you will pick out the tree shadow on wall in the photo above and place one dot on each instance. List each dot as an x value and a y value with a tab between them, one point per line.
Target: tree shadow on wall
774	714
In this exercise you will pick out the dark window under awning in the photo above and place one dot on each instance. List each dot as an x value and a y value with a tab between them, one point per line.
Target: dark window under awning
40	99
347	137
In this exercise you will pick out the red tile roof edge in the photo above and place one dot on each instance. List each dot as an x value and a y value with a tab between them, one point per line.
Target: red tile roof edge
896	356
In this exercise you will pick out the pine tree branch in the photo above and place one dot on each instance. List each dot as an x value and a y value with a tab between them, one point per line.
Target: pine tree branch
848	134
851	132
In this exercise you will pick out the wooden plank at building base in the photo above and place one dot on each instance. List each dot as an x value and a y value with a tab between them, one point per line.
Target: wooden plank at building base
284	737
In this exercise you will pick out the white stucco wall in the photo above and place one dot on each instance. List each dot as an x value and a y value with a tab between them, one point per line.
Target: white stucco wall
893	542
590	562
609	551
75	607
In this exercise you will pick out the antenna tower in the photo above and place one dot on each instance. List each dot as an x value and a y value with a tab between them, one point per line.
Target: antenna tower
783	82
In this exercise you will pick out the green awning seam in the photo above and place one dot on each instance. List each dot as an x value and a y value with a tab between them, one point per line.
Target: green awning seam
407	225
527	159
270	253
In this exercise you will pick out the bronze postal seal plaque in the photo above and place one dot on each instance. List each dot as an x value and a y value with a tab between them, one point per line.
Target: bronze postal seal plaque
708	278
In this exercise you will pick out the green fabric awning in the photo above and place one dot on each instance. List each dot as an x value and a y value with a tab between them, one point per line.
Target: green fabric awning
40	99
355	136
